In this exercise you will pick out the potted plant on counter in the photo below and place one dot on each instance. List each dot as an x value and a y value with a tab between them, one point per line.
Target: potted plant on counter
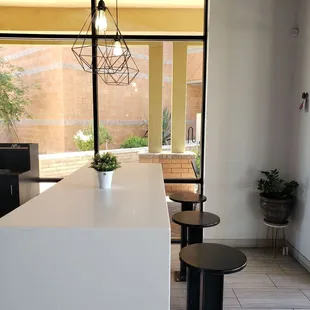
105	165
277	197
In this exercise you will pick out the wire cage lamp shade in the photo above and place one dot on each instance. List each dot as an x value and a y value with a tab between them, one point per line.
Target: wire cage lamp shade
114	62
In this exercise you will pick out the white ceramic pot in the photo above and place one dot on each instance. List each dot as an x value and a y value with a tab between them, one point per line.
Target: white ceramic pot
105	179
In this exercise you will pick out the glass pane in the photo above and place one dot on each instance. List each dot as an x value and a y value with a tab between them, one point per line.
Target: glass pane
194	103
53	102
123	110
185	165
174	207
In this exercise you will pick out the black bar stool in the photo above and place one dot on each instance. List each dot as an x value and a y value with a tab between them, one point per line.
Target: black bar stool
195	221
187	199
213	261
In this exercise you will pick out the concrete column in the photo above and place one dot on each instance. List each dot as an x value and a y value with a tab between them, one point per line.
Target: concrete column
155	97
179	97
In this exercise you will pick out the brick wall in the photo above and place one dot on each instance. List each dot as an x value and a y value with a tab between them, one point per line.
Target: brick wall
62	101
62	164
175	166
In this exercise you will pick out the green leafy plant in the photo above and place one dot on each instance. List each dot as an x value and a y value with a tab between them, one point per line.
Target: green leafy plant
84	139
14	96
166	134
134	142
105	162
197	159
166	128
272	186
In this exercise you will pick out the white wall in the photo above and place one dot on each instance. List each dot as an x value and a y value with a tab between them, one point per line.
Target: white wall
299	167
249	82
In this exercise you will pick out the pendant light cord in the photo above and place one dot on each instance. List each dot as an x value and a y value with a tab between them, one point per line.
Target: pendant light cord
117	13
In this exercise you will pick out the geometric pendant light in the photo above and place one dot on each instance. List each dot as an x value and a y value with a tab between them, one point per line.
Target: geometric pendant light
115	64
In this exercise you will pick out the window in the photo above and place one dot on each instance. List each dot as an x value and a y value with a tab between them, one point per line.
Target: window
60	114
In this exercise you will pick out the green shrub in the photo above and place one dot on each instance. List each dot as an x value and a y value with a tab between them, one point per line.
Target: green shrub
84	139
134	142
105	162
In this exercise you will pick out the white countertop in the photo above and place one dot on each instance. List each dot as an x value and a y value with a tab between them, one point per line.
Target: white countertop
77	247
136	200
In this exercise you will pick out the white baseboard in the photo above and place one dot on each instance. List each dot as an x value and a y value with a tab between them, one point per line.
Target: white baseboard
261	243
242	243
299	257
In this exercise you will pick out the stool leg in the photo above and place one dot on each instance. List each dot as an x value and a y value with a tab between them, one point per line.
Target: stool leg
193	275
181	275
193	289
213	290
194	235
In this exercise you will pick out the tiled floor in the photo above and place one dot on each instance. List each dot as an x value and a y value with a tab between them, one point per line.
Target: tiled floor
266	283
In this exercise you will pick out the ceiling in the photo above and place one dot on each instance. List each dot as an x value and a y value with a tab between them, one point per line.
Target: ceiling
122	3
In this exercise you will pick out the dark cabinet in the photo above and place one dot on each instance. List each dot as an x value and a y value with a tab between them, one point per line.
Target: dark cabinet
19	175
9	193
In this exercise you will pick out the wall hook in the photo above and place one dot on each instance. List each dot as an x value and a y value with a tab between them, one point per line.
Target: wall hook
304	102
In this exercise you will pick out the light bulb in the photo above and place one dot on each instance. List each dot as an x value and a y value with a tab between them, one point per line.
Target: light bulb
117	49
101	21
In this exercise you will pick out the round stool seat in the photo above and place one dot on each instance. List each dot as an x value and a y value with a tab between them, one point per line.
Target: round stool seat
187	197
196	219
213	258
283	225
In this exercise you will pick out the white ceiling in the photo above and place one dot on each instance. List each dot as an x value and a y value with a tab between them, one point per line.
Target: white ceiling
122	3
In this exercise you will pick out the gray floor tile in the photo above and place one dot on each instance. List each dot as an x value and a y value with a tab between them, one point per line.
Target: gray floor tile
301	281
247	252
177	285
272	298
181	292
228	302
228	292
306	292
292	268
263	263
295	272
268	254
178	293
248	280
231	302
177	302
263	269
277	259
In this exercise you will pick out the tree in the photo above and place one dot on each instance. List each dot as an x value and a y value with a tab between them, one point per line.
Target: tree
14	96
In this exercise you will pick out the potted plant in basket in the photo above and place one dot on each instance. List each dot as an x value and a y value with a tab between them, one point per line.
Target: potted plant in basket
105	165
277	197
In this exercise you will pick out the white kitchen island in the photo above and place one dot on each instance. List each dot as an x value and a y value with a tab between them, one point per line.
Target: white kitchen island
76	247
